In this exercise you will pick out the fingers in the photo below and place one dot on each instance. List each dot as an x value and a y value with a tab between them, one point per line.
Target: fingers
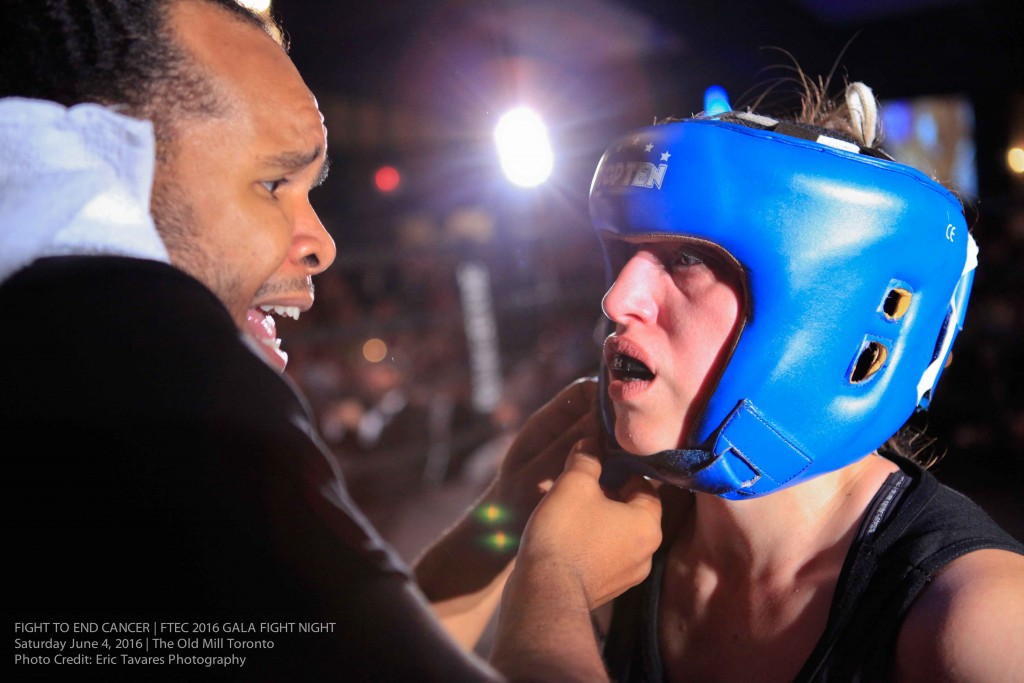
542	443
640	492
585	458
582	459
635	485
638	497
577	400
586	427
581	391
608	540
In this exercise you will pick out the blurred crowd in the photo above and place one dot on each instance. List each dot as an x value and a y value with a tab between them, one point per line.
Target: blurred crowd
384	360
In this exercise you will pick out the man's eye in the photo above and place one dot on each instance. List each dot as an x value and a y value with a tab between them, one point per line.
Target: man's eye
273	185
684	259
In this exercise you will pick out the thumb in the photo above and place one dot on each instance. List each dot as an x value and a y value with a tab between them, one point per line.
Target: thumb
582	458
641	493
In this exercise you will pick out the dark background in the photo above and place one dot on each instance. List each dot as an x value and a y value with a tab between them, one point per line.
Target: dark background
419	86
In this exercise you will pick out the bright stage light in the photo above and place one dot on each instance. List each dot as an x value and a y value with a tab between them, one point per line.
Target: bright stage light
523	147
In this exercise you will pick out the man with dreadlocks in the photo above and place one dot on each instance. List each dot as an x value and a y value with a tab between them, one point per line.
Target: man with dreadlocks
783	297
154	212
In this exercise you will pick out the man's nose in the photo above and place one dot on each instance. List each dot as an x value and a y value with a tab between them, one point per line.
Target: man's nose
312	246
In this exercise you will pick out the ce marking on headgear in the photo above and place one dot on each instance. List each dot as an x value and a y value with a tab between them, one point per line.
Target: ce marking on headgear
950	232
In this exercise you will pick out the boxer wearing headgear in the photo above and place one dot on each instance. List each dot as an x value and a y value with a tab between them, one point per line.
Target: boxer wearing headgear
854	277
783	297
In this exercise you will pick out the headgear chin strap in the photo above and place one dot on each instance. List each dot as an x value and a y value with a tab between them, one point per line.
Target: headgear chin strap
858	272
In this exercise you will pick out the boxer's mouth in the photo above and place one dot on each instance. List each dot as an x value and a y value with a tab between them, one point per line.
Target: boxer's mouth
629	369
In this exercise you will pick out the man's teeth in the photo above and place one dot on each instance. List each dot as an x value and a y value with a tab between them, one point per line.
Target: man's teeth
290	311
272	343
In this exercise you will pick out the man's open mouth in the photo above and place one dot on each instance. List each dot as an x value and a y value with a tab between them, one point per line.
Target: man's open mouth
629	369
261	327
290	311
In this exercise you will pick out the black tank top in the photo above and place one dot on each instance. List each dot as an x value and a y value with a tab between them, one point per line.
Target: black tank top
913	527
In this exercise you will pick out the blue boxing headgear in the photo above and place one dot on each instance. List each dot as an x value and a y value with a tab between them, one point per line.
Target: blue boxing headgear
857	272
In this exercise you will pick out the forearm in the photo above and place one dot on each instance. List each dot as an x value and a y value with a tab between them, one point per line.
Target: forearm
464	572
465	617
580	550
537	604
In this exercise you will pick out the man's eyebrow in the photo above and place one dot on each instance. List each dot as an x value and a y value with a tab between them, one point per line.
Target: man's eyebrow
322	175
299	160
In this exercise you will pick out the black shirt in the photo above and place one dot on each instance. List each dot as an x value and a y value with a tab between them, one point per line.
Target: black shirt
913	527
157	470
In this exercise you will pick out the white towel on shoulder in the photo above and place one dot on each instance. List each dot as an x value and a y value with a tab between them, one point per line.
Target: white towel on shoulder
74	181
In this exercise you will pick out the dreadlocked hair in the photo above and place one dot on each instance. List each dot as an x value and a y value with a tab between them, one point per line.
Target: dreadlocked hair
118	53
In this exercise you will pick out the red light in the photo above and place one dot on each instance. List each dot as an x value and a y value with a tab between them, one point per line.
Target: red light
387	179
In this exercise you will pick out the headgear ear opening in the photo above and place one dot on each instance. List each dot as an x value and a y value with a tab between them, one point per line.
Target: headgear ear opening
810	218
